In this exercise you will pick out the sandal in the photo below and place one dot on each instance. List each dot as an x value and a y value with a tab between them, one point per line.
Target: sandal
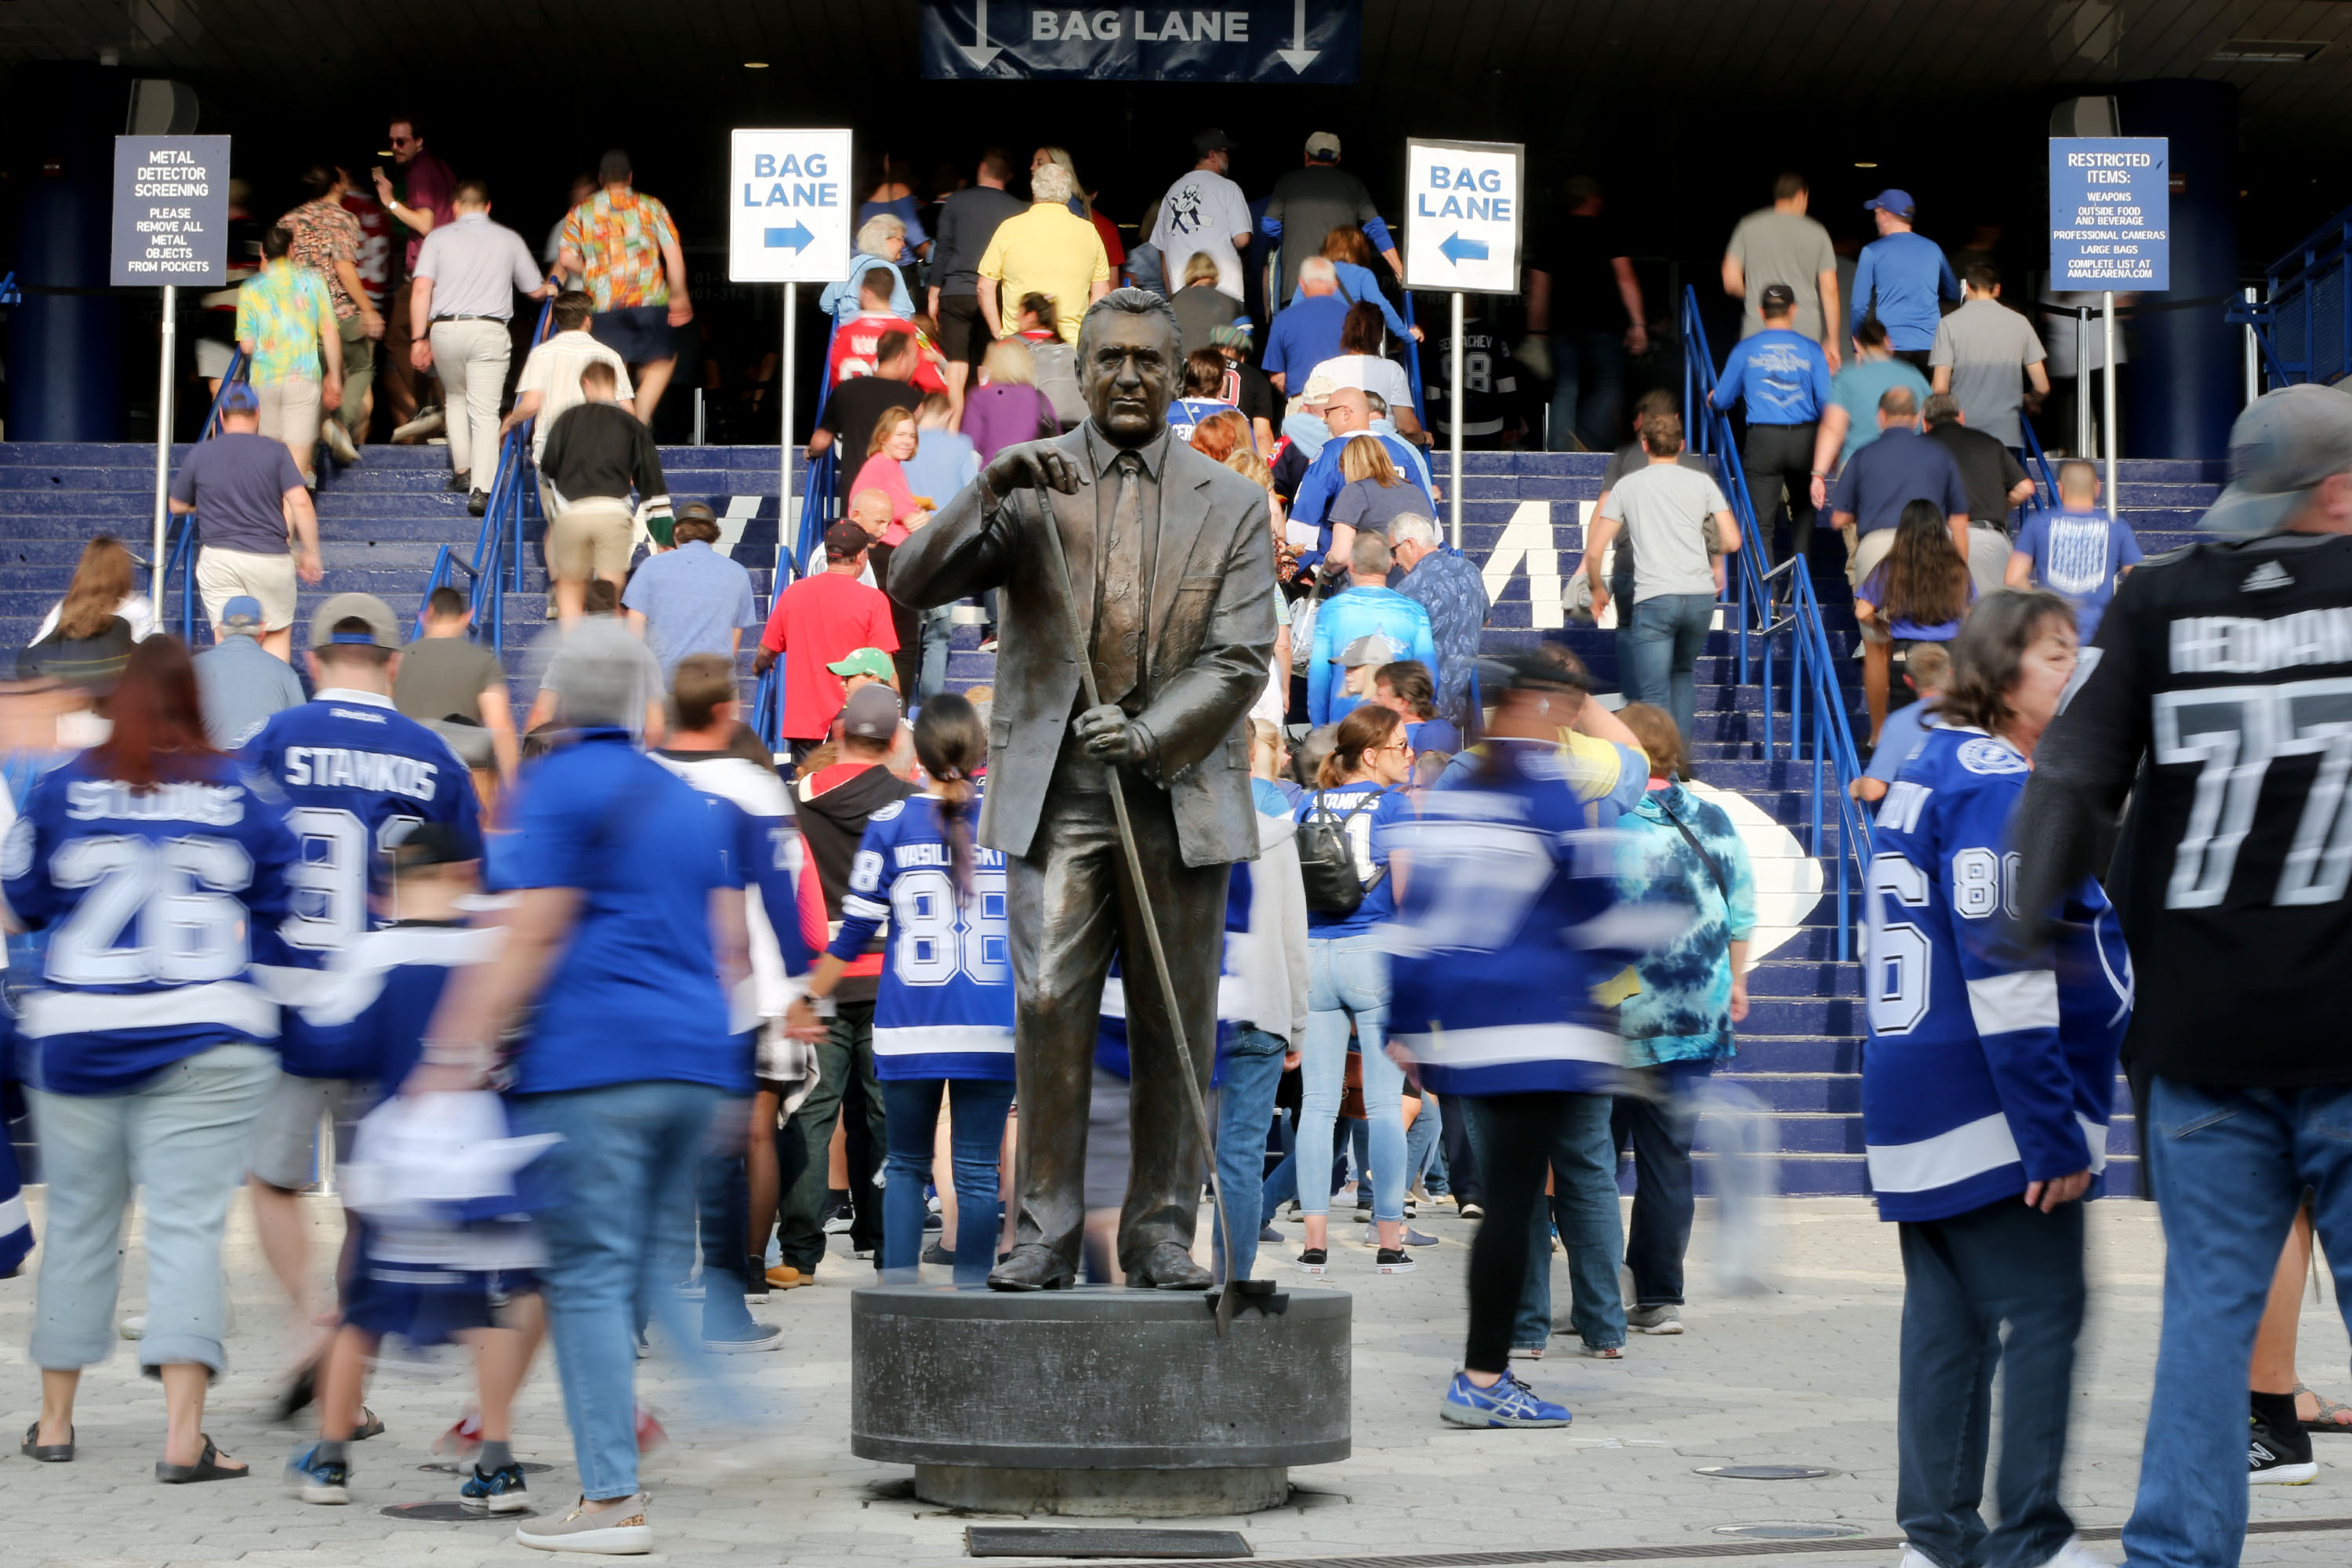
2329	1416
206	1469
371	1426
47	1453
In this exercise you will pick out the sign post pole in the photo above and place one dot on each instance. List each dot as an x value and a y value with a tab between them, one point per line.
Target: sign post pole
2253	354
786	541
2107	326
1465	216
2082	381
1454	392
790	224
163	442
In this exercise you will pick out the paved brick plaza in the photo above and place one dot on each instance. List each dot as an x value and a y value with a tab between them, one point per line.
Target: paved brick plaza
1805	1375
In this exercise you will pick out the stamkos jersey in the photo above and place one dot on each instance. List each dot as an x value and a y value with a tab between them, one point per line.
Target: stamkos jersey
1982	1073
369	1011
945	1007
2227	666
357	774
160	904
1510	922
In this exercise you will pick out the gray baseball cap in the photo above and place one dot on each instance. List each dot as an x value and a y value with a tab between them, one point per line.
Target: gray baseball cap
871	713
2281	447
382	626
1373	647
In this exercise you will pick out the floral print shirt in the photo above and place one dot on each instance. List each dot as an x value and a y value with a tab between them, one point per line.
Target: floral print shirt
619	242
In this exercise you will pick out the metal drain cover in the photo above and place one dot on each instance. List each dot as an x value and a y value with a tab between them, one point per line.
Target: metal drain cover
1789	1531
1015	1541
450	1513
1766	1472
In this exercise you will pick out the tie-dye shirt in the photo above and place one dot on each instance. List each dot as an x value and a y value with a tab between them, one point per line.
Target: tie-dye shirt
280	311
1682	1011
619	242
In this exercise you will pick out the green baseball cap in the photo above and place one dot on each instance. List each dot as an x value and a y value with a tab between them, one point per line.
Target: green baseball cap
870	661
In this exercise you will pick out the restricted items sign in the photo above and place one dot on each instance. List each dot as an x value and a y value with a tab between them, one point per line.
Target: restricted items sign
1465	215
2110	213
170	210
792	213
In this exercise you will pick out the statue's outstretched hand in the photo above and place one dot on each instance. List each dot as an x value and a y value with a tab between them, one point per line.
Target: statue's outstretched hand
1032	465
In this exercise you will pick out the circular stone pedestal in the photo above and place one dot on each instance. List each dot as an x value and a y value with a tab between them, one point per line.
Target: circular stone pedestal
1099	1402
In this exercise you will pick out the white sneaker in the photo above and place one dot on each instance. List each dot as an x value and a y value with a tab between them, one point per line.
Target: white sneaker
133	1327
338	440
428	422
1655	1320
619	1532
2074	1554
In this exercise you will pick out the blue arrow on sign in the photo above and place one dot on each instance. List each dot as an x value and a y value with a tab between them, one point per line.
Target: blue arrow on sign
797	237
1455	250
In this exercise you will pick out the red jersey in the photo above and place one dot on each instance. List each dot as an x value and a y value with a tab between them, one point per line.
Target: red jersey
375	261
817	621
860	338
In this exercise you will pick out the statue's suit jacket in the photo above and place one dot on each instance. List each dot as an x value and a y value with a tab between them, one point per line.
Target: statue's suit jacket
1208	642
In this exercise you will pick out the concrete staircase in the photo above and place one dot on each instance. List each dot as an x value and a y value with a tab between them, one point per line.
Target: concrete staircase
1524	517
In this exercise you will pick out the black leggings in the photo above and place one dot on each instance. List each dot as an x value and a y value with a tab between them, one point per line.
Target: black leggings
1514	1157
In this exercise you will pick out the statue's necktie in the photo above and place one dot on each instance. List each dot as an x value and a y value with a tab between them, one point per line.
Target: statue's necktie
1119	588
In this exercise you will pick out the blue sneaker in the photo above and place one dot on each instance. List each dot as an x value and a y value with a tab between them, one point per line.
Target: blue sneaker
313	1479
496	1492
1509	1402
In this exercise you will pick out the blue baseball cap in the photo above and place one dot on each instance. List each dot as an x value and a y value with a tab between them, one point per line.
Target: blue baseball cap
237	397
242	613
1899	203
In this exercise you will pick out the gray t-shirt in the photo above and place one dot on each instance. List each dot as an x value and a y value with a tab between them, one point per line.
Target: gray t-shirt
1668	510
444	678
1774	247
1309	203
1988	345
1632	458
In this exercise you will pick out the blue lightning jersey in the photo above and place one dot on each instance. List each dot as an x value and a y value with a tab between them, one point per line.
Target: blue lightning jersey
1232	1006
1983	1071
160	905
945	1007
1510	922
756	817
369	1012
356	775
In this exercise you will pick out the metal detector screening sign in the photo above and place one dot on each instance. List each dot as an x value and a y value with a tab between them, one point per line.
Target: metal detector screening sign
2110	213
170	210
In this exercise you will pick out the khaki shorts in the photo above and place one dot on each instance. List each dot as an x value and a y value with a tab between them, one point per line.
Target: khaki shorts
285	1133
1862	558
359	372
223	575
289	410
590	540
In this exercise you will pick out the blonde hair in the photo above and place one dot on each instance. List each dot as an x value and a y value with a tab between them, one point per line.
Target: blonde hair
1202	268
935	409
886	426
1363	459
1007	363
1245	462
877	228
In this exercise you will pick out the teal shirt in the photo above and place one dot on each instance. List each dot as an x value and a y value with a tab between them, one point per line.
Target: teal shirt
1857	389
1682	1011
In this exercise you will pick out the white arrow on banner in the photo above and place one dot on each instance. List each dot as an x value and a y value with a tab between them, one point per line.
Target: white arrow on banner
1298	56
979	52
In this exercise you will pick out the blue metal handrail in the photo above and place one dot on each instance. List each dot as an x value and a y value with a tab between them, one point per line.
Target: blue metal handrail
497	543
2304	322
240	369
1825	737
1412	360
767	719
817	476
445	567
2047	484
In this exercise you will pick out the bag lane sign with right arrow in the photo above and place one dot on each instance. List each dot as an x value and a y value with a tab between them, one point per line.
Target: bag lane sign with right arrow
1465	215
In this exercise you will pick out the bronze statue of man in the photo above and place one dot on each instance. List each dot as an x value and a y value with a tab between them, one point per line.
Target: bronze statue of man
1158	562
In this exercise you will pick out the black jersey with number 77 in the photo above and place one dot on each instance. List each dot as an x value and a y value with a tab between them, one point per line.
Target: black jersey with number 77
2227	666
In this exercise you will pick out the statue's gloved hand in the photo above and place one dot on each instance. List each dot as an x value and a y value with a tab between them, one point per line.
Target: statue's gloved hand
1110	736
1032	465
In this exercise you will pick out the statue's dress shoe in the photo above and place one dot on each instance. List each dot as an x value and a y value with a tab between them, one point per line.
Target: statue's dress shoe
1033	1267
1167	1267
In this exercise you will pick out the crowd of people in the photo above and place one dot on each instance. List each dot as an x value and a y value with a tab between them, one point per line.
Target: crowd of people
686	1007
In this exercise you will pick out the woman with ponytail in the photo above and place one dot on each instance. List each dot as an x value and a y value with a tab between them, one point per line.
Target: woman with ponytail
943	1018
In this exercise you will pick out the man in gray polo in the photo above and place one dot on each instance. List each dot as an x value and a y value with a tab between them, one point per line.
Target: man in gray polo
460	305
1980	349
241	683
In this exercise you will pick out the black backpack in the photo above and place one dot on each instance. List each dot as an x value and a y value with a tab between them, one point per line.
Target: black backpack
1327	861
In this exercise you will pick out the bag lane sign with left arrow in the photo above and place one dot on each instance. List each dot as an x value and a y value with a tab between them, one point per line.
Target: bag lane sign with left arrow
1464	215
1278	42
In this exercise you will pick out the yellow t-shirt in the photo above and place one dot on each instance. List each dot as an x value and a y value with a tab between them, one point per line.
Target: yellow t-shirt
1048	250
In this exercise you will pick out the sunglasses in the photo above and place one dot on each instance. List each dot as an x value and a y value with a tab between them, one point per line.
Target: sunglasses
403	140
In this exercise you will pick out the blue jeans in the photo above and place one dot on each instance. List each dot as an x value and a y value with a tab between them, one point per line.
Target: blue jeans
619	1237
1424	1148
2229	1167
1964	1280
910	1109
1668	633
1348	977
1660	1124
938	626
1588	390
1245	1114
180	1138
723	1198
1583	1207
